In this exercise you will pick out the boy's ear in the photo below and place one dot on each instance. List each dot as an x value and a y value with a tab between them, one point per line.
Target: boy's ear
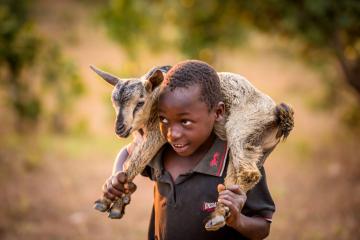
106	76
154	79
220	112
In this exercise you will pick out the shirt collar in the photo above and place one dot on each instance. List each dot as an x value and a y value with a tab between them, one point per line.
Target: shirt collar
213	163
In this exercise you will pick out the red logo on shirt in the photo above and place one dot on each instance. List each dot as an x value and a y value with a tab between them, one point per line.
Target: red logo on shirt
214	160
209	206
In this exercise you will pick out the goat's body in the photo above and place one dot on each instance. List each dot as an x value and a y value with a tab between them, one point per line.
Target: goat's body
248	113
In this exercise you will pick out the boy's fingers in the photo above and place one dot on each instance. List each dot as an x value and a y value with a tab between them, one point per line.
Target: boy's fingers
106	184
226	197
228	193
114	191
220	187
109	196
237	199
236	189
106	192
117	184
130	186
108	188
233	188
121	176
229	204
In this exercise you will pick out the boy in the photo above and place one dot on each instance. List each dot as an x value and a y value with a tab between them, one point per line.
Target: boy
188	169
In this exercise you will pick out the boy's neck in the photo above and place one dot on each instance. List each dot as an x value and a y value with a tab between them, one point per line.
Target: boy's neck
203	149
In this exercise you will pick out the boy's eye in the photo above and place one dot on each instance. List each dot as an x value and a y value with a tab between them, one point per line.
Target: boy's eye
163	120
186	122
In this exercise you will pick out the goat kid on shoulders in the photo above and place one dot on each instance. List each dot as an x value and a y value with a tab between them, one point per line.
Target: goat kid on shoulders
253	126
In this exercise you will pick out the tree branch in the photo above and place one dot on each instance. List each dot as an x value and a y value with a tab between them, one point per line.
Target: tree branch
351	70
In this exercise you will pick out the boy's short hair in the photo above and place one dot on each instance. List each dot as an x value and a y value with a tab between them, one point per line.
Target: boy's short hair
194	72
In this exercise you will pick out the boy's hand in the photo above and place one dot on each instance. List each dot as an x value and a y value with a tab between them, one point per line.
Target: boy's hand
234	198
117	185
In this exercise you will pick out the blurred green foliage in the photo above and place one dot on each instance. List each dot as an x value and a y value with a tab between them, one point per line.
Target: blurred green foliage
31	67
18	49
351	117
322	28
63	82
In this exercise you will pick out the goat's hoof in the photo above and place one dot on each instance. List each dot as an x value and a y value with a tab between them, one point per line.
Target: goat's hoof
115	213
215	223
126	199
101	205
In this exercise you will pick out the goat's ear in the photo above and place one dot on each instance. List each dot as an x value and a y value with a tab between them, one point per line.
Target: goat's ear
106	76
154	79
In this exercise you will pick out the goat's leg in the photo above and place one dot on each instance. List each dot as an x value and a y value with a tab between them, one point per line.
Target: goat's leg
244	128
117	209
104	204
136	163
217	218
245	179
246	175
242	169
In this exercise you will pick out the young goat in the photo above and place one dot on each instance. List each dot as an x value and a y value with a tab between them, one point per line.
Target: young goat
253	126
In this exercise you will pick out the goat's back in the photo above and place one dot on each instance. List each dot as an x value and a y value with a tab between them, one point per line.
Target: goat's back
238	91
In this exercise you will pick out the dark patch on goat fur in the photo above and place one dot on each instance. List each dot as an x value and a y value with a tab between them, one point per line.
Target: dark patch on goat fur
124	91
164	69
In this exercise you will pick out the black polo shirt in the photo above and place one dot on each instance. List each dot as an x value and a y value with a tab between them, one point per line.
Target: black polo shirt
181	208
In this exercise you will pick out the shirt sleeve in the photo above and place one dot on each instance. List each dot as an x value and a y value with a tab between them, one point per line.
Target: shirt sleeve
259	201
148	172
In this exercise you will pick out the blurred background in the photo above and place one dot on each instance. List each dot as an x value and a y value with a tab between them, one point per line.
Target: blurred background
57	141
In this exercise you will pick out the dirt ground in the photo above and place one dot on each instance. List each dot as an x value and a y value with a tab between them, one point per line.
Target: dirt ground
49	182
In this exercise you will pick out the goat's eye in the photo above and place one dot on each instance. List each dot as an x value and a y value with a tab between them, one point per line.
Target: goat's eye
137	107
139	104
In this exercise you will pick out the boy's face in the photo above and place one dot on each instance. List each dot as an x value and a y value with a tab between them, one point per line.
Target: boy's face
185	120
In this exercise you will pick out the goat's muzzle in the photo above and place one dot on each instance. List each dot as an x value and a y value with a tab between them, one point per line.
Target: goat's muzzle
122	132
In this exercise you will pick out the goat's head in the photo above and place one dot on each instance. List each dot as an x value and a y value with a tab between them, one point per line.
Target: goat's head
131	98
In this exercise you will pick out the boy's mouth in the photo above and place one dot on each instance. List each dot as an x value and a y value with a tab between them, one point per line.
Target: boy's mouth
179	148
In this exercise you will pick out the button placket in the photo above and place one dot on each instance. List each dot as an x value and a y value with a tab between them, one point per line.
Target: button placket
157	174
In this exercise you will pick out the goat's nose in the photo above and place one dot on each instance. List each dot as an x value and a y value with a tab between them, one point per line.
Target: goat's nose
120	127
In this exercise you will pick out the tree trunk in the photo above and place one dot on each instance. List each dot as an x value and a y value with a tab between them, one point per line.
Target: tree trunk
350	69
354	79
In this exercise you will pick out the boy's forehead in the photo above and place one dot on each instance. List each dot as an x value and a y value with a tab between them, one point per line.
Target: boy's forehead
181	100
181	93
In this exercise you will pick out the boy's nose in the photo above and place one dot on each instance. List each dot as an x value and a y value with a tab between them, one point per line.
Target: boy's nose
174	133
